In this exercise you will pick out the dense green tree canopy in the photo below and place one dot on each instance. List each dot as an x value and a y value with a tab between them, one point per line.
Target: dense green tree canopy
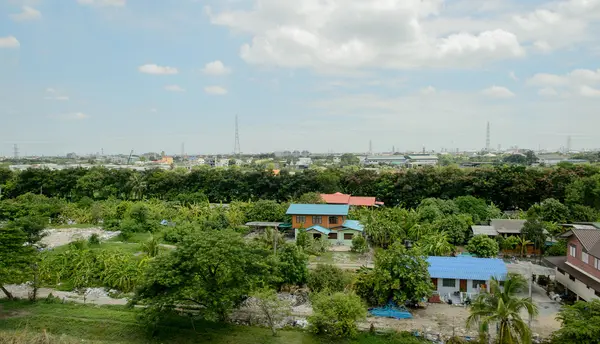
580	323
483	246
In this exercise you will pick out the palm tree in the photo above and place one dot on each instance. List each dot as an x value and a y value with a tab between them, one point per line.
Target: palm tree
436	244
501	307
137	185
523	243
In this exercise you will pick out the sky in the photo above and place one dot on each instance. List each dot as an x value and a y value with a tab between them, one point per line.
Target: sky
320	75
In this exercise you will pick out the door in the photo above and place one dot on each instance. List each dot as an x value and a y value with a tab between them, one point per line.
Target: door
434	282
463	285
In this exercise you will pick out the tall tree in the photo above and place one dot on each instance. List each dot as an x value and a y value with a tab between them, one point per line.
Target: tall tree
580	323
502	309
483	246
15	256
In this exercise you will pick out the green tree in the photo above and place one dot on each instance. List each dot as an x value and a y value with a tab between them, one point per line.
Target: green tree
511	243
336	314
310	198
15	256
349	160
523	243
359	244
455	226
502	309
214	270
328	277
550	210
533	230
476	207
436	244
483	246
292	264
272	309
580	323
399	274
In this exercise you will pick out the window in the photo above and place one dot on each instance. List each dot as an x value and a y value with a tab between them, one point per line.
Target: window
333	220
585	257
449	282
348	236
573	250
477	283
597	263
317	220
300	219
332	236
572	278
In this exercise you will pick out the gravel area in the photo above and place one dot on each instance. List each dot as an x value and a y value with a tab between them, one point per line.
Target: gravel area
59	237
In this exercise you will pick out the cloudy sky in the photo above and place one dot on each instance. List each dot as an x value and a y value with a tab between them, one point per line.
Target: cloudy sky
82	75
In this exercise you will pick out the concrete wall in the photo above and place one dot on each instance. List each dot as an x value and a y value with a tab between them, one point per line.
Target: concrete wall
576	286
576	261
340	236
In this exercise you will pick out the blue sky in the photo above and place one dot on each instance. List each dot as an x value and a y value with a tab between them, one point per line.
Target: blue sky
84	75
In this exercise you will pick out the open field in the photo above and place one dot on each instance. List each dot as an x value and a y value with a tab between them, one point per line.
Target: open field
115	324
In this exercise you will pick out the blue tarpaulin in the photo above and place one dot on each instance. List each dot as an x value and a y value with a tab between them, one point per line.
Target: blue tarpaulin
391	311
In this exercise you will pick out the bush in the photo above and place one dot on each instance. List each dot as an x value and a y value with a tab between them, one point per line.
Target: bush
151	247
359	244
328	277
543	280
336	314
174	235
94	239
483	247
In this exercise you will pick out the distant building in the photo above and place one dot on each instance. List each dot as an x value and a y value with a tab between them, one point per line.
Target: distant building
417	160
71	156
340	198
303	162
396	160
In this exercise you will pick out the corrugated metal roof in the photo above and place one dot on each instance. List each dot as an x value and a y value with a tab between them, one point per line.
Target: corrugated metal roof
485	230
508	226
318	209
362	201
353	224
319	229
263	224
336	198
468	268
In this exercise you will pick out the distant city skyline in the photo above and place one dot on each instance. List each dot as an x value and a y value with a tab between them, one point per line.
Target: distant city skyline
131	74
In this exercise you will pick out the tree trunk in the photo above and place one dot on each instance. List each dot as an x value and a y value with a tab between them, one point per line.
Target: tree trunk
7	293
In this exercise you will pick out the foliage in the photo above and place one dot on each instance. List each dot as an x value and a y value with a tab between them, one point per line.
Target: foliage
310	198
151	247
436	244
559	248
348	159
550	210
214	270
359	244
399	274
336	314
584	213
292	264
511	243
32	226
455	226
272	309
15	256
533	230
476	207
503	310
326	277
94	239
483	246
580	323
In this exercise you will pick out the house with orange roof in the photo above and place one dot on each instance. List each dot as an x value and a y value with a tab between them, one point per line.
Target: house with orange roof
340	198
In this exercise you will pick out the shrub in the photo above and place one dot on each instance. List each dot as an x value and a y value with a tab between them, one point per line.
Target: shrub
151	247
94	239
336	314
483	247
359	244
328	277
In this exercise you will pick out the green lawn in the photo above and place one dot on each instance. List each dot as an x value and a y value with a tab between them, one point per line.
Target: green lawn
115	324
337	257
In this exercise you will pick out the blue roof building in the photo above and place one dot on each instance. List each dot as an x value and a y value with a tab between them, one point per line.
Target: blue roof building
465	274
325	222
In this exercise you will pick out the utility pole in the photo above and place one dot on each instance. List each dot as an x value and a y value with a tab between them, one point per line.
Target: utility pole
237	150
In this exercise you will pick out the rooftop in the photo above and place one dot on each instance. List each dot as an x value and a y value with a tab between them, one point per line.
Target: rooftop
318	209
561	263
340	198
353	224
589	238
336	198
467	268
319	229
484	230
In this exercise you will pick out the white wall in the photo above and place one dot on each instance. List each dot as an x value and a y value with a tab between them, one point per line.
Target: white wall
449	290
576	286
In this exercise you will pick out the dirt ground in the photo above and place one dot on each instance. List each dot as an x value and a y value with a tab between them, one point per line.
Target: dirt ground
63	236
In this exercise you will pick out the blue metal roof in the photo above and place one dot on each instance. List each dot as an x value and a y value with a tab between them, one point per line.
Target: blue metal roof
319	229
318	209
468	268
353	224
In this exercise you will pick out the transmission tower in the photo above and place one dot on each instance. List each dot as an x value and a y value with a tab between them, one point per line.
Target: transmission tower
568	143
370	147
16	151
236	148
487	138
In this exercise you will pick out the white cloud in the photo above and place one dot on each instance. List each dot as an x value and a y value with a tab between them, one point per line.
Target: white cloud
588	91
73	116
28	13
351	34
157	70
497	92
513	76
215	90
547	92
103	3
174	88
53	94
578	81
216	68
9	42
428	90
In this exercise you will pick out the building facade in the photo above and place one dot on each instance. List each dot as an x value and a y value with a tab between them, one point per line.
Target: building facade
325	222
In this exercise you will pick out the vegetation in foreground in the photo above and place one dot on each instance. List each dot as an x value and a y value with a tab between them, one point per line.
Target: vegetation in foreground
26	322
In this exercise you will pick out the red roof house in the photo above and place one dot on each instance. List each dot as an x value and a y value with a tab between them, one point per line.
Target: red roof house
340	198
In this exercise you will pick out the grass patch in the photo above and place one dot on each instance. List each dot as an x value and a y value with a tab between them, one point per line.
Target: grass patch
338	258
136	237
117	324
76	225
